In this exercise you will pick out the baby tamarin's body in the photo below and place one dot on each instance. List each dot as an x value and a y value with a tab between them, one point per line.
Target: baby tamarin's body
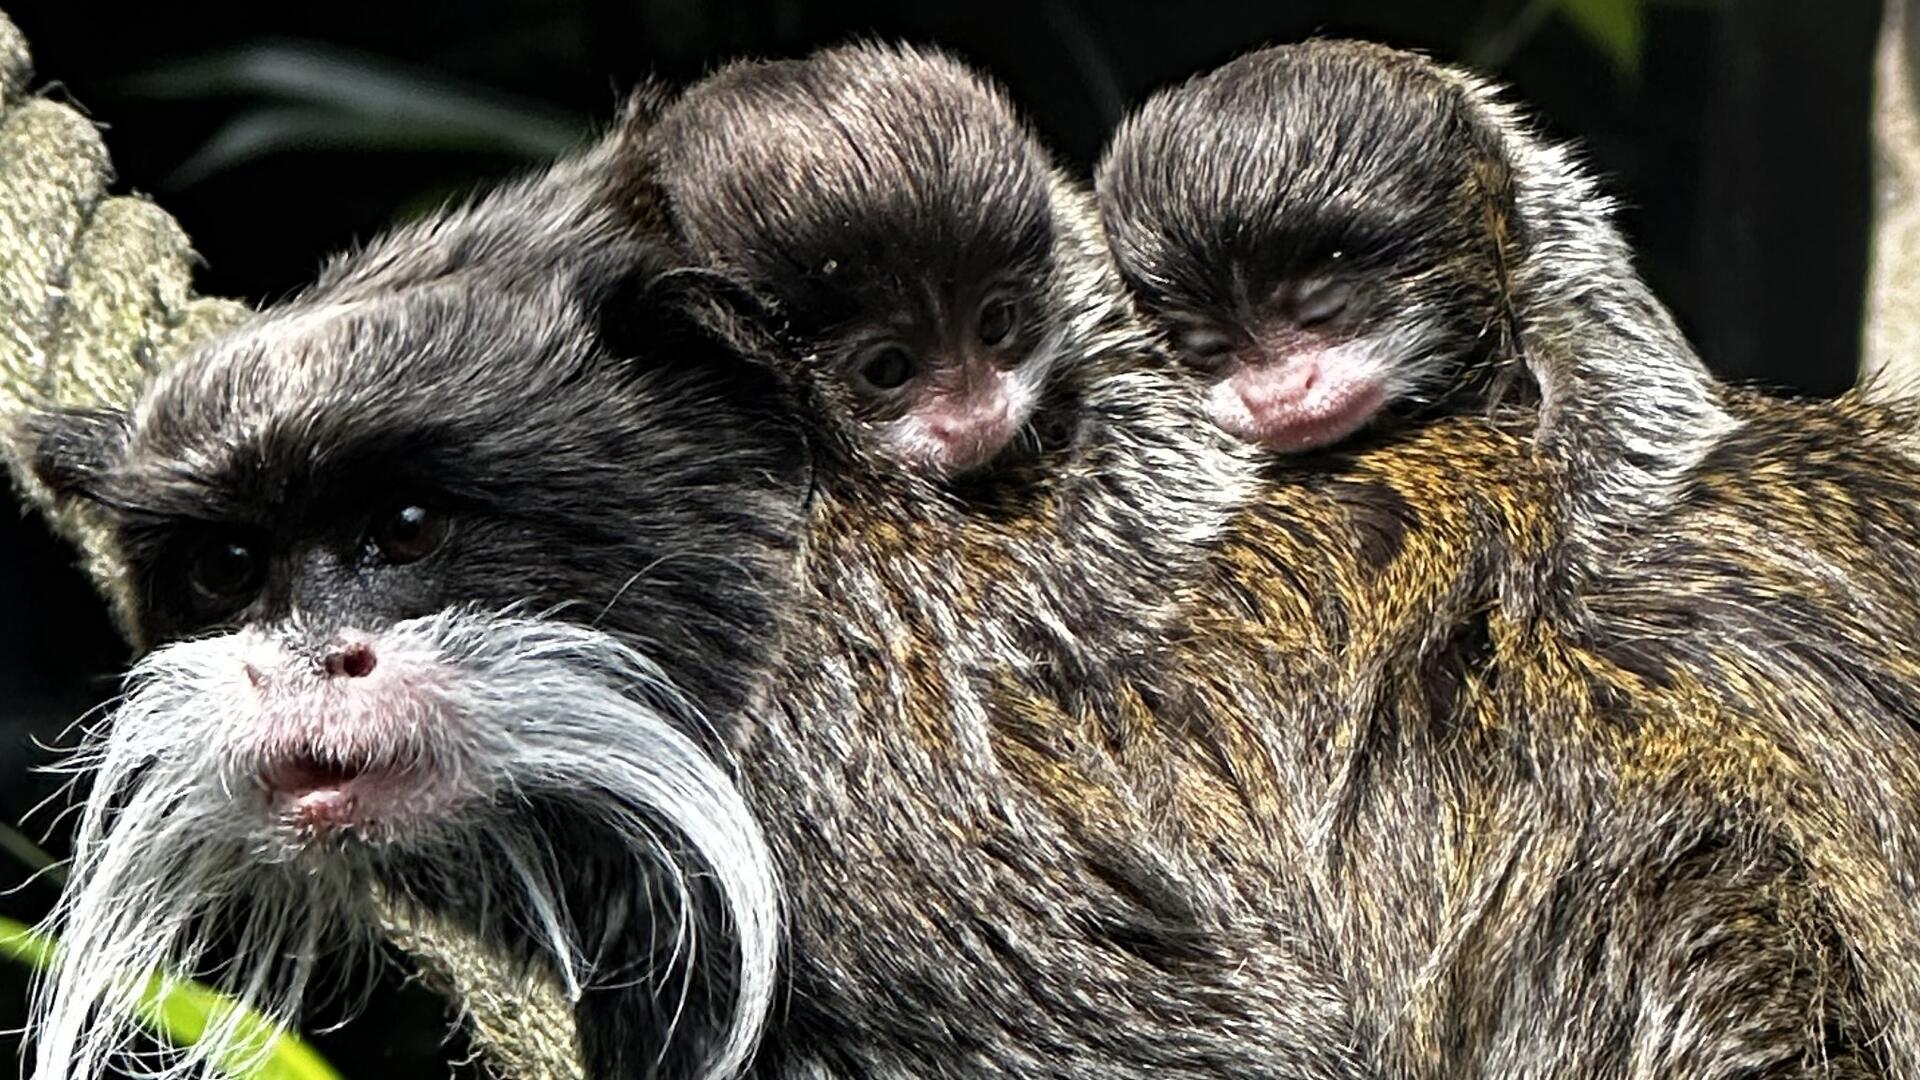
902	227
1333	232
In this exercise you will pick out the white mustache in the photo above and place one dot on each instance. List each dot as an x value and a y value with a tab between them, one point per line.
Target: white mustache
177	842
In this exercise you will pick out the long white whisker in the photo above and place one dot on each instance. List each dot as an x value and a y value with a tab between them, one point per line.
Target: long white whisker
494	716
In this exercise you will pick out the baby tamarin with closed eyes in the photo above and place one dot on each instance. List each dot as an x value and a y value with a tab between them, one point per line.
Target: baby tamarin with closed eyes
1332	230
1318	230
902	227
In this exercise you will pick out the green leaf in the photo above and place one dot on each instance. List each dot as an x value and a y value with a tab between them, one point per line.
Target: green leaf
263	132
182	1012
360	85
18	942
1618	28
15	843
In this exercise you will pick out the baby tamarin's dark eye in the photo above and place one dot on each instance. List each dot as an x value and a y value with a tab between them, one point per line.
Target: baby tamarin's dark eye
226	569
887	366
409	534
999	318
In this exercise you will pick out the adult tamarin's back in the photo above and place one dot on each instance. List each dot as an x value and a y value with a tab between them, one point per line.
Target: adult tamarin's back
1359	804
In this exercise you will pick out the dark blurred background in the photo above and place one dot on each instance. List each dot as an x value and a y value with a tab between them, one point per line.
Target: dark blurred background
1734	133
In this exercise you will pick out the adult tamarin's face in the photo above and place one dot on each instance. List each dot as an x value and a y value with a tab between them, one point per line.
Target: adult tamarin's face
897	216
448	597
1319	229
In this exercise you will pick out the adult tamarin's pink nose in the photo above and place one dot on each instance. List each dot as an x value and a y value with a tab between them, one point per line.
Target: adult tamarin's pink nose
354	661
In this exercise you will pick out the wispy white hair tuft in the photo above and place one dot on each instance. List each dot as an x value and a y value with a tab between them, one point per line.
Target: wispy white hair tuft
178	848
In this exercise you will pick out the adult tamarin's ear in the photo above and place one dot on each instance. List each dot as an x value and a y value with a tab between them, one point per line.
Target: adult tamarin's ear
642	312
71	451
705	325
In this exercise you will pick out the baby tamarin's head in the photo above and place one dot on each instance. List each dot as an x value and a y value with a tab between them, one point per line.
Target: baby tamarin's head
1320	228
900	222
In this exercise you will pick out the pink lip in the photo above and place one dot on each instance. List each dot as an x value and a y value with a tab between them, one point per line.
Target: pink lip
318	797
1298	399
1337	418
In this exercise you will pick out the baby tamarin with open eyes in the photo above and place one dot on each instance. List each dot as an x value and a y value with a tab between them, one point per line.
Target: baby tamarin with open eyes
901	224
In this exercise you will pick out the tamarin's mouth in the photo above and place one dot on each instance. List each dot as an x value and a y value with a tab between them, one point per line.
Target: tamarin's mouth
319	797
342	746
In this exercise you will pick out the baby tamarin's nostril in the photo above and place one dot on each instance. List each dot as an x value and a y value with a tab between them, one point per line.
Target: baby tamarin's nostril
353	661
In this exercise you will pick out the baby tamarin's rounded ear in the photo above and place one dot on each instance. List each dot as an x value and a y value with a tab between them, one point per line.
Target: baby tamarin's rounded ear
644	105
1504	236
71	451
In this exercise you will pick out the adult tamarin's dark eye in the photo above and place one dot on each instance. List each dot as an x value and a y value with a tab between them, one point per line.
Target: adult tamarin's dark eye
226	569
409	534
887	367
999	318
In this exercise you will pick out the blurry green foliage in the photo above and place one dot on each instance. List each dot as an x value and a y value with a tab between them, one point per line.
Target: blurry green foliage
181	1012
302	96
1617	28
314	97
